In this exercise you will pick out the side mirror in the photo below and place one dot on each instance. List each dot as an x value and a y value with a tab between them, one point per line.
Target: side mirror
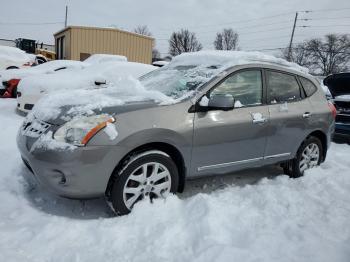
221	102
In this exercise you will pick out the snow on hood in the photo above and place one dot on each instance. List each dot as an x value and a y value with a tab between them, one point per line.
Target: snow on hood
45	68
76	79
231	58
85	101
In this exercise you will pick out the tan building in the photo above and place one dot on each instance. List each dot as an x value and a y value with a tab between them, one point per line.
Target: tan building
79	42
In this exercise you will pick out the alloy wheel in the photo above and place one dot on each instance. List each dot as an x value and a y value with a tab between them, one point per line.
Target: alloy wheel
309	157
149	180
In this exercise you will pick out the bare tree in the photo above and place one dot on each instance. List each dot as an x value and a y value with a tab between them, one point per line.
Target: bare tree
300	54
331	55
155	54
183	41
226	40
323	56
143	30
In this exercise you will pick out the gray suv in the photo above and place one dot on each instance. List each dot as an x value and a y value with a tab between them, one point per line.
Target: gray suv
247	115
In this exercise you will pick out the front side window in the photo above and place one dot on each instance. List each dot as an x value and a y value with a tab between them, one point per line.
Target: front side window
245	88
308	86
282	87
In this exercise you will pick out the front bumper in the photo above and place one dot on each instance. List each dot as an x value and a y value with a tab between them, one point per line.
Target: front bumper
78	173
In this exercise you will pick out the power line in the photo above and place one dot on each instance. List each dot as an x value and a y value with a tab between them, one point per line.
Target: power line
237	21
304	26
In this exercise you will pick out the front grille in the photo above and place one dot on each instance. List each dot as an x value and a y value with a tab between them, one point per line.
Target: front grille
28	106
343	118
34	128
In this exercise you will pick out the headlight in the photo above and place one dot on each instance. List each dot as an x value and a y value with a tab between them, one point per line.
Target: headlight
80	131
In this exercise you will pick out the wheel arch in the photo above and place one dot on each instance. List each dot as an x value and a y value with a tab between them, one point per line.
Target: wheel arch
167	148
322	137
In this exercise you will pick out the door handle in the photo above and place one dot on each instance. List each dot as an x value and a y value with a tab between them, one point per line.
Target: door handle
306	115
259	121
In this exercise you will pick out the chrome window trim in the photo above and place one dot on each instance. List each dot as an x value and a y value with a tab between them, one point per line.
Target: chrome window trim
221	165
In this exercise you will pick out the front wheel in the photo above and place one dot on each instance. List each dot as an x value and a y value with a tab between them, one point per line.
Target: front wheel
309	155
149	175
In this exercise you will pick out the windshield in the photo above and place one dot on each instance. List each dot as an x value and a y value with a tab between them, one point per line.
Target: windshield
177	81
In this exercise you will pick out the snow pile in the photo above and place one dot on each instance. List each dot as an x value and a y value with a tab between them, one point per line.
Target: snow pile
280	219
103	58
226	59
12	56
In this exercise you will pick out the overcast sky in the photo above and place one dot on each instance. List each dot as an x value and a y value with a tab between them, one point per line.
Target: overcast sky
261	24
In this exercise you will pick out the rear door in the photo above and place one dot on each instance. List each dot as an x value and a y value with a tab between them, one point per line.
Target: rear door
229	140
290	115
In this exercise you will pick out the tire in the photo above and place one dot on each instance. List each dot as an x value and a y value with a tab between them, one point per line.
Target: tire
131	186
304	160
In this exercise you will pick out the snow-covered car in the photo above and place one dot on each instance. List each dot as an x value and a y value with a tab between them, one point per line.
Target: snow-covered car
13	58
10	78
32	88
103	58
339	93
205	113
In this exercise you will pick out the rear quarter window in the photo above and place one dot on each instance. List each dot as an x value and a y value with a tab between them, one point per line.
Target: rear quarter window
308	86
282	87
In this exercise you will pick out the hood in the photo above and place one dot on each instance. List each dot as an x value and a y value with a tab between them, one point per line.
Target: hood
338	84
128	95
67	113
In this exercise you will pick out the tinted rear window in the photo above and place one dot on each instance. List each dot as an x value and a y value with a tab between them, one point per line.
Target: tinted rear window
282	87
308	86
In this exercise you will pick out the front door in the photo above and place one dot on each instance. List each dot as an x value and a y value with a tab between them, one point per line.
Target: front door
225	141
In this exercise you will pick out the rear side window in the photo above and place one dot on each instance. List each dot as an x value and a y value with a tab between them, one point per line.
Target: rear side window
308	86
282	87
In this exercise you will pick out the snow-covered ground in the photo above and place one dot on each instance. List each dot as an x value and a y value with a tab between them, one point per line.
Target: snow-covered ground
253	215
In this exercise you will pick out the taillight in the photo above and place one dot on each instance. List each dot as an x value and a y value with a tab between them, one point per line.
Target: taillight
333	109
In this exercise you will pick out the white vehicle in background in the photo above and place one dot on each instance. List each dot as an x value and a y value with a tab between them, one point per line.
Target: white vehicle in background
13	58
32	88
9	79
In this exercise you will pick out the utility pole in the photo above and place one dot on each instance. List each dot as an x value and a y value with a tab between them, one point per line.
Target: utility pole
291	38
65	20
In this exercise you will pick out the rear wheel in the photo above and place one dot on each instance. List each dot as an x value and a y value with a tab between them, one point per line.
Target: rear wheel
309	155
149	175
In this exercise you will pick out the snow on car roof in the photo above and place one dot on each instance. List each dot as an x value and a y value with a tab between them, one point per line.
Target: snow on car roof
227	59
103	58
